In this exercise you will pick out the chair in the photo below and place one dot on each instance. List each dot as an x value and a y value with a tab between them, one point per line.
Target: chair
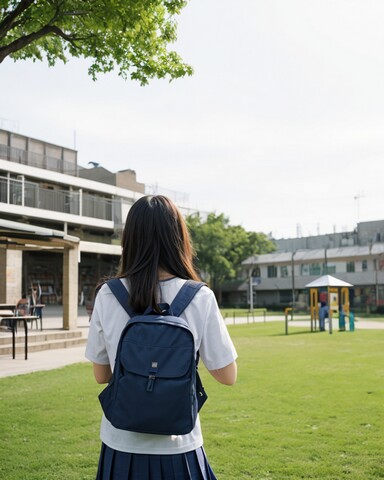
25	309
5	324
7	310
37	311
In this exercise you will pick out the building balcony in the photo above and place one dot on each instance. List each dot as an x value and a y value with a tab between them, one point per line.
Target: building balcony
75	204
39	160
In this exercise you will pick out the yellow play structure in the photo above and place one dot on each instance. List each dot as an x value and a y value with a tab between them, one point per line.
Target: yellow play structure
329	298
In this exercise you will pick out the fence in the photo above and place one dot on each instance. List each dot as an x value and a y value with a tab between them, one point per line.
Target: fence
30	194
250	316
38	160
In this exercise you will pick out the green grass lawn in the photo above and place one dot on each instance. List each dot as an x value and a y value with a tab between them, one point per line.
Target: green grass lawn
306	406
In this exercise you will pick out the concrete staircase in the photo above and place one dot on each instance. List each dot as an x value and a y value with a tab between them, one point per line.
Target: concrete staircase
41	340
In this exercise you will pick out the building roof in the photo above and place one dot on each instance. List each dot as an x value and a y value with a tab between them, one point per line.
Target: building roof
16	233
328	281
316	255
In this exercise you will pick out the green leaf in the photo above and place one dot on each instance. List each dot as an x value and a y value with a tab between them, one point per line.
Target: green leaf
131	36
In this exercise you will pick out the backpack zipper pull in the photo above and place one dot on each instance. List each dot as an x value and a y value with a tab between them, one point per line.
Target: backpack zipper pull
151	382
152	376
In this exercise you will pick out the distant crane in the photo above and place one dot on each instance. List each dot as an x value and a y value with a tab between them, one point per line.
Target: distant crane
94	164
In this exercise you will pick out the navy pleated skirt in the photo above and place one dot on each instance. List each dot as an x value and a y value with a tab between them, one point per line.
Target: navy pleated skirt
116	465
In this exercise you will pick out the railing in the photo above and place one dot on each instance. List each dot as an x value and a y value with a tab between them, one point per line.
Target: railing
96	207
38	160
30	194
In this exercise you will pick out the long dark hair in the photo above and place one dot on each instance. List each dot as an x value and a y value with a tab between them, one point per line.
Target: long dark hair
155	237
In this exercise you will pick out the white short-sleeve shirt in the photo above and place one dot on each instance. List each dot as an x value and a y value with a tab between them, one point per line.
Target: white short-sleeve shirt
211	340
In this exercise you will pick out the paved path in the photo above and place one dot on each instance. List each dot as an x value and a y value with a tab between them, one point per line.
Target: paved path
50	359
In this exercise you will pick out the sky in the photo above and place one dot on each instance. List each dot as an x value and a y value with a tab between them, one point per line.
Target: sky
281	127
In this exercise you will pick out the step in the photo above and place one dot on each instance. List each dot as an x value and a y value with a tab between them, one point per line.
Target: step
38	347
42	341
38	336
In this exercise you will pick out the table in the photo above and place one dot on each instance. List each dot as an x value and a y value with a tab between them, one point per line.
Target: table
7	309
7	306
13	321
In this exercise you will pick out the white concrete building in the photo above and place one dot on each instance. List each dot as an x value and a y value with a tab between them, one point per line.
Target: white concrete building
60	224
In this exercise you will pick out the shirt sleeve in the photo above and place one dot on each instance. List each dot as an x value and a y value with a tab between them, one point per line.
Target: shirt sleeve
96	350
216	348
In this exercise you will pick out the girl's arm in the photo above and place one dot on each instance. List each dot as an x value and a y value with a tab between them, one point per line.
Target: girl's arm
102	373
226	375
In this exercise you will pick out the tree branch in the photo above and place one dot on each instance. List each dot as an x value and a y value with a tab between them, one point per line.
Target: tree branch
9	20
26	40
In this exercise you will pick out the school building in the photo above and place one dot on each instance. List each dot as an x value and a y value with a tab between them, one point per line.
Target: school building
60	223
278	279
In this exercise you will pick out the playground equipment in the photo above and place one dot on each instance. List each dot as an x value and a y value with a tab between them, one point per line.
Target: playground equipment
329	297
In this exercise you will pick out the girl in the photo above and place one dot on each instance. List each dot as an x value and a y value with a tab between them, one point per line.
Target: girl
157	258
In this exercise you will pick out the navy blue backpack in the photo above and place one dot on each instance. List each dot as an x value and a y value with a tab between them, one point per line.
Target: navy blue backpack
155	387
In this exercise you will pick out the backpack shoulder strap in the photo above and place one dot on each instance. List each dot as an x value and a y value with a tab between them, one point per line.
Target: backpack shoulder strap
185	296
121	293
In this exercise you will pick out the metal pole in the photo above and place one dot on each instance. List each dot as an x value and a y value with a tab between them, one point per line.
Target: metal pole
329	313
250	291
293	283
286	322
377	291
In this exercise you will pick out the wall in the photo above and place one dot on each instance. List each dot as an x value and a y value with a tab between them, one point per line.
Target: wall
127	179
10	269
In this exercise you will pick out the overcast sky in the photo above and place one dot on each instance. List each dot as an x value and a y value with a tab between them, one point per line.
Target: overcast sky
281	126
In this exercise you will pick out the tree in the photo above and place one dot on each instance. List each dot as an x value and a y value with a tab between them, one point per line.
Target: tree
221	247
211	244
131	35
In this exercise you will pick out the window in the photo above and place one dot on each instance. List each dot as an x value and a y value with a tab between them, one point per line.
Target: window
255	272
329	269
304	270
314	269
272	271
364	265
284	271
350	267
